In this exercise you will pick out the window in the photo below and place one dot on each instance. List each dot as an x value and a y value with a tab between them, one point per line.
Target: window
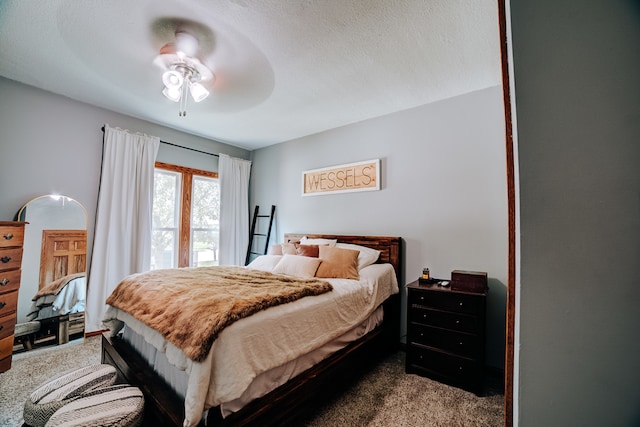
186	209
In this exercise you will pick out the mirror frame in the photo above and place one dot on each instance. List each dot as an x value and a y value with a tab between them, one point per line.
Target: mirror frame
32	252
20	215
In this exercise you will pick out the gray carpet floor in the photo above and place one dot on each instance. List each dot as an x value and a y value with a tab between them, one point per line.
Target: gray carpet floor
384	396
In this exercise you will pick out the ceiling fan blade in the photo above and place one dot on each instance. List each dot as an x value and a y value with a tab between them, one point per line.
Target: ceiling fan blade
167	29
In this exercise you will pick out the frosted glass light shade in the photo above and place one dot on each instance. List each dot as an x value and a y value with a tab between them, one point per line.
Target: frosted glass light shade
172	93
198	92
172	79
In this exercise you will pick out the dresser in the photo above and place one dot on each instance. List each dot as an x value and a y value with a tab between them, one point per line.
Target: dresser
11	241
446	335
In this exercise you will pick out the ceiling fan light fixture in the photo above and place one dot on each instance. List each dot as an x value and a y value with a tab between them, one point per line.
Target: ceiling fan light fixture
173	94
198	92
172	79
183	71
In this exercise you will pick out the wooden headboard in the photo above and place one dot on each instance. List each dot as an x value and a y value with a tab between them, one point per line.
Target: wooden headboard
389	247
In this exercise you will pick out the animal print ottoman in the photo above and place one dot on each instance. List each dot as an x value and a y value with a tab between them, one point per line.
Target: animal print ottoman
57	392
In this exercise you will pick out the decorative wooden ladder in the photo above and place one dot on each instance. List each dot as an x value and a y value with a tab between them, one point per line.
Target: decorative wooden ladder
253	234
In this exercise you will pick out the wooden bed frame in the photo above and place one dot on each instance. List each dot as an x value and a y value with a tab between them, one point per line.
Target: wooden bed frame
297	397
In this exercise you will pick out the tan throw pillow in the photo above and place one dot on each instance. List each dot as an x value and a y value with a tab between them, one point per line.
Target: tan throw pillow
366	257
295	265
308	250
338	263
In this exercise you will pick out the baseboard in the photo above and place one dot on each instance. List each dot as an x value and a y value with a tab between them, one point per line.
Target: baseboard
94	333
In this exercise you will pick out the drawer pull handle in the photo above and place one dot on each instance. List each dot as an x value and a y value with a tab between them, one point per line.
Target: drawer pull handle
5	259
424	316
457	322
8	236
421	334
421	298
460	368
2	304
460	343
4	282
461	304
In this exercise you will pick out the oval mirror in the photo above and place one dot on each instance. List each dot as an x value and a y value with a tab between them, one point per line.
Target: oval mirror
55	243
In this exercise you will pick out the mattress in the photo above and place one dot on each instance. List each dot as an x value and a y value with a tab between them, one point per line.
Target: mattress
264	341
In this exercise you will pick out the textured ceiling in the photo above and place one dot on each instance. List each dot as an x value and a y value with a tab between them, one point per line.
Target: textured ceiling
284	68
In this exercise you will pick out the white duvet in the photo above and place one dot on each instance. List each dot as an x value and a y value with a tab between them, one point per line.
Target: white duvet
70	299
268	338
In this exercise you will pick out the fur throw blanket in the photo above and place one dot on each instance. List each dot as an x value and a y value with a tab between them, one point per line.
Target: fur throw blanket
56	286
191	306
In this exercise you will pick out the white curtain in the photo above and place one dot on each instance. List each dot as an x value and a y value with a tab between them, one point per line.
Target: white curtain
122	241
233	176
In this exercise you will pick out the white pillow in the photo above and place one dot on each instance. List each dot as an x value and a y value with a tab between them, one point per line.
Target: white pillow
264	262
297	265
319	242
366	257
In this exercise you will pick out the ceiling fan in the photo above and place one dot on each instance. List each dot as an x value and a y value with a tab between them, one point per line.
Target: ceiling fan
184	73
242	74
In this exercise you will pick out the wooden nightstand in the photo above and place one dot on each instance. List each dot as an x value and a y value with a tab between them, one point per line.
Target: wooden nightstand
446	335
11	240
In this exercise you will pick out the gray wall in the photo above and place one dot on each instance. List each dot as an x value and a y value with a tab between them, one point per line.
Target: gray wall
52	144
577	81
443	190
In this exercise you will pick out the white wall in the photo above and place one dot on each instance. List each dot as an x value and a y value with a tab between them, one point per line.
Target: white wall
577	83
443	190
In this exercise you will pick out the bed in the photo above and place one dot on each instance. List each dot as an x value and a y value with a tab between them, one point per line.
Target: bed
276	395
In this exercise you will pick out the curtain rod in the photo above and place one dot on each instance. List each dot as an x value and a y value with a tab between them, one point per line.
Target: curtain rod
181	146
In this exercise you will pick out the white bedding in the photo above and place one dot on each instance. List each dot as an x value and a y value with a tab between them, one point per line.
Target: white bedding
70	299
269	338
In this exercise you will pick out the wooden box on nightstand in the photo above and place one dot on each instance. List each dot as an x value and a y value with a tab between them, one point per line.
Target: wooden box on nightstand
446	335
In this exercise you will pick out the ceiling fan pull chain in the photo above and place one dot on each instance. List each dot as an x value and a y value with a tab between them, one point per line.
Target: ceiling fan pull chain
183	98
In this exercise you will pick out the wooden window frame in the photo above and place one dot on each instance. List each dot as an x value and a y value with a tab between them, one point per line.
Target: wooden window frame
184	225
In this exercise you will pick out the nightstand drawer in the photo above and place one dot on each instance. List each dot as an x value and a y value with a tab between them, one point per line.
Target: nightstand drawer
457	369
9	280
447	301
8	303
7	325
10	258
6	347
11	235
447	320
468	345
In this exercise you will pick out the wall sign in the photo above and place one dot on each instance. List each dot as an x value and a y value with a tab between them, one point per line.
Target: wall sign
360	176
